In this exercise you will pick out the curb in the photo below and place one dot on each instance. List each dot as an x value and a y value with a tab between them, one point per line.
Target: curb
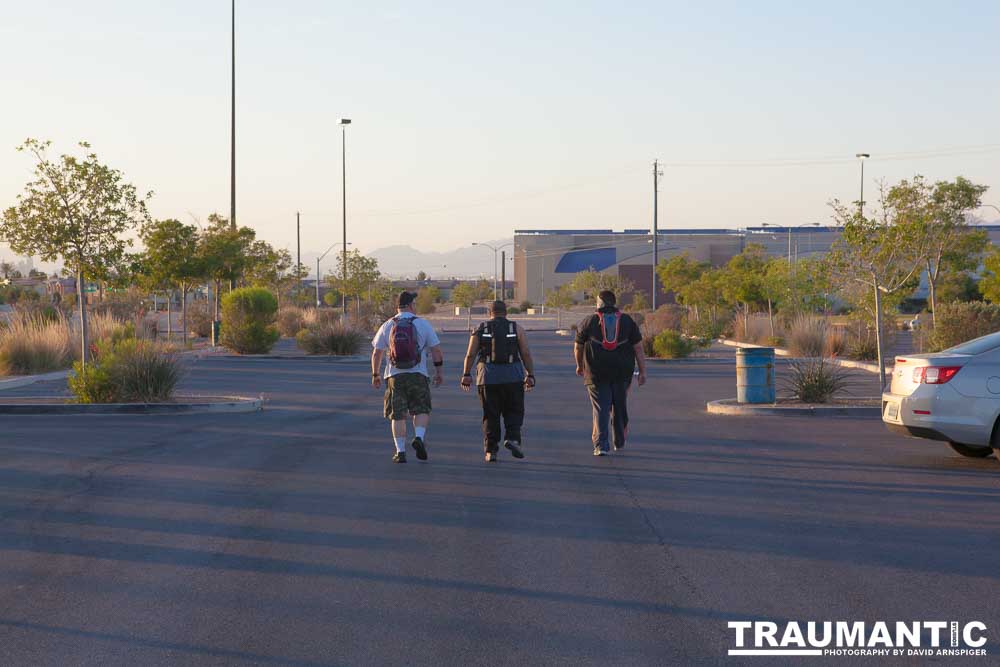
226	404
332	358
781	352
25	380
729	406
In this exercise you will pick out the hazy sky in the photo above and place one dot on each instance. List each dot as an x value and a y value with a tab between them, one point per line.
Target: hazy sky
472	119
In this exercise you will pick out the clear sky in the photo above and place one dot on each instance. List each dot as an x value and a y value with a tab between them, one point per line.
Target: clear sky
472	119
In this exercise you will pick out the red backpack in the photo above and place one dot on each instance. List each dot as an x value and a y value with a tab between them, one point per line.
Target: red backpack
403	350
609	321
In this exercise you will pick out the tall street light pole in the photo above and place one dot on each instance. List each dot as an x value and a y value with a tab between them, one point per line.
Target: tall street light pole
344	122
232	126
861	202
487	245
656	226
318	260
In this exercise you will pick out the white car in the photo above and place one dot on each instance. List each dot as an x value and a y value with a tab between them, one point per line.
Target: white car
952	396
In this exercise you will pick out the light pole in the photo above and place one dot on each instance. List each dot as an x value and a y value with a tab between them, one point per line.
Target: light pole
232	126
993	206
487	245
768	224
344	122
861	202
656	225
318	260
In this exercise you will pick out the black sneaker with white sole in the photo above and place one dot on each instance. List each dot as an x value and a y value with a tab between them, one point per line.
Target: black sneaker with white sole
514	447
419	448
399	457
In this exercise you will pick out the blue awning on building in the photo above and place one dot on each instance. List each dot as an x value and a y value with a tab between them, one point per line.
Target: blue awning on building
597	259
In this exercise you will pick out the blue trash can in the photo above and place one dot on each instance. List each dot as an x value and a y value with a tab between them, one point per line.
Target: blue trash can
755	375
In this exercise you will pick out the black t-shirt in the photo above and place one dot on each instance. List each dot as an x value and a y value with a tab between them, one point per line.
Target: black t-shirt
600	365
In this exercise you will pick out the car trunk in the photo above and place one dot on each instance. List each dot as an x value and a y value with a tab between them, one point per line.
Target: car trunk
903	383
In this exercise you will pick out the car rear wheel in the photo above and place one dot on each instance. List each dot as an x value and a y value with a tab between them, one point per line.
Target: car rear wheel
971	450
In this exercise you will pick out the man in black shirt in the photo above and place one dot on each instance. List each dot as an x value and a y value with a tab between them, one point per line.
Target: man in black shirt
504	371
608	347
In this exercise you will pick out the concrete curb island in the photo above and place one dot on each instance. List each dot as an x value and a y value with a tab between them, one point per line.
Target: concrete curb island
729	406
220	404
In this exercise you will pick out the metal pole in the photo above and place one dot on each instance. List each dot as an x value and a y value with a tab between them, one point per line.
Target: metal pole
343	185
298	254
503	273
861	203
495	296
656	229
789	245
317	282
232	127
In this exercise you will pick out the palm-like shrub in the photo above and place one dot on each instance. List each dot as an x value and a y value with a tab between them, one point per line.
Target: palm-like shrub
815	380
248	316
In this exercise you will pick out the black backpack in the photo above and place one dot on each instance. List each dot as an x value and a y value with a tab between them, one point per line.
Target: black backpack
498	342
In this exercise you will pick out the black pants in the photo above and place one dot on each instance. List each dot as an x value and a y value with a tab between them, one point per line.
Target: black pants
501	401
610	403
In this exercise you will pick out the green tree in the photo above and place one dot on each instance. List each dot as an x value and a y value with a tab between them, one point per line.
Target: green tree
172	259
639	301
678	273
426	298
224	252
560	299
77	210
6	269
465	295
882	254
989	285
421	277
591	282
744	278
362	275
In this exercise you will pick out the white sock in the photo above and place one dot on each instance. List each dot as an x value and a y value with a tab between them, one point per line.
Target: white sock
400	444
419	431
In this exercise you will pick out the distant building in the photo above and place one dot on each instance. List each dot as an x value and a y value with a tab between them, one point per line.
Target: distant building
545	259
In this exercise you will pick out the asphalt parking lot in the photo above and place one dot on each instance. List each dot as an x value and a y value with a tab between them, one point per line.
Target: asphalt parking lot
287	537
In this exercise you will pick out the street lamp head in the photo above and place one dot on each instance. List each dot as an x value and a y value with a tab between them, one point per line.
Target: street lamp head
345	121
862	156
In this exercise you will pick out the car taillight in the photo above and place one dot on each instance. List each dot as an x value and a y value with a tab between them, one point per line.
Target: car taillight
934	374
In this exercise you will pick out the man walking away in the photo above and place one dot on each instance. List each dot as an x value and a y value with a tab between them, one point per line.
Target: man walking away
608	347
404	341
504	370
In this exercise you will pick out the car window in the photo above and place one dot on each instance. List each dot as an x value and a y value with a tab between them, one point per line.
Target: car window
977	345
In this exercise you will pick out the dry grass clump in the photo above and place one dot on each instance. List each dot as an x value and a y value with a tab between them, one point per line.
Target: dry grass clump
32	343
807	336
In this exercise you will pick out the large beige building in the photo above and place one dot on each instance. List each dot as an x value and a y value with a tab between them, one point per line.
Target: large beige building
545	259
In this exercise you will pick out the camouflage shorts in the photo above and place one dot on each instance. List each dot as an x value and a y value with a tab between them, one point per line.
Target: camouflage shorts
407	394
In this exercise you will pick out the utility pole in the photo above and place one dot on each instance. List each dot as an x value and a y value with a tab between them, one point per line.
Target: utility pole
232	129
656	226
503	275
298	254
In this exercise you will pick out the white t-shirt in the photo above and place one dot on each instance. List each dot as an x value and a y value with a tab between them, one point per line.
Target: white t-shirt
426	338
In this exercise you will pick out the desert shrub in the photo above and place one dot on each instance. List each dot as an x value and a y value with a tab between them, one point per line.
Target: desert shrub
774	341
668	317
960	322
815	380
756	329
836	342
525	305
248	316
291	320
863	348
126	371
199	317
106	326
807	336
702	328
32	344
670	344
124	306
513	310
330	338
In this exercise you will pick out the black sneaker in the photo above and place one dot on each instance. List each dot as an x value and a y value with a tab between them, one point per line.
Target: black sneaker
491	457
399	457
619	446
515	448
418	447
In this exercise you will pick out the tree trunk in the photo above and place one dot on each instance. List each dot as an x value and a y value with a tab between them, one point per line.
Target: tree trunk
170	328
932	293
218	288
84	337
184	315
878	335
770	317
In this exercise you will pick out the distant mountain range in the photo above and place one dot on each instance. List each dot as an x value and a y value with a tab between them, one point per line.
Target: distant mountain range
403	261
